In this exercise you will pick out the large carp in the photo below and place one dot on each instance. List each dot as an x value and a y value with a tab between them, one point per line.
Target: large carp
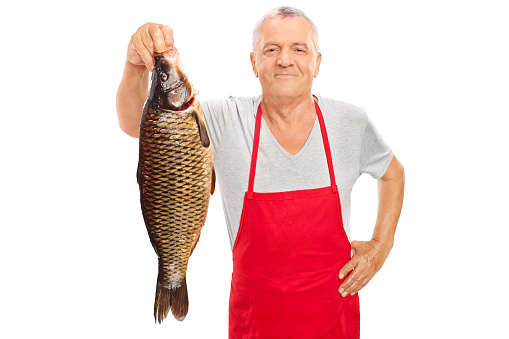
176	177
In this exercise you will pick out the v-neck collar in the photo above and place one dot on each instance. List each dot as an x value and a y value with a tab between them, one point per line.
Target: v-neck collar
309	139
290	156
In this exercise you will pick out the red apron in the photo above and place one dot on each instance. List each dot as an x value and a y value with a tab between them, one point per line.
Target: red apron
287	256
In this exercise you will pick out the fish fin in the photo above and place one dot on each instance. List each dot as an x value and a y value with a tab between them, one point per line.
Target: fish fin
138	174
194	246
162	303
174	298
204	135
180	303
139	177
213	182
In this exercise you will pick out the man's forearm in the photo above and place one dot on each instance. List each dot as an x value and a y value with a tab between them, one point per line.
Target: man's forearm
390	202
131	96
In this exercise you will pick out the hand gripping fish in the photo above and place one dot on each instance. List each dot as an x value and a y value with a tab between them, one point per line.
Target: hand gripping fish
176	177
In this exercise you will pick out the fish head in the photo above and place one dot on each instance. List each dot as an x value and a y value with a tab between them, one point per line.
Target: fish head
170	87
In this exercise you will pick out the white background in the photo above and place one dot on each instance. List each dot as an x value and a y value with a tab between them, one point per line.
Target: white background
76	261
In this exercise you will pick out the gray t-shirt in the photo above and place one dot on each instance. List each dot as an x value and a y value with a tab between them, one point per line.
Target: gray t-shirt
356	148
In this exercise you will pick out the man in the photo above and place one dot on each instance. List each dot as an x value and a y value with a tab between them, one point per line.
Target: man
295	272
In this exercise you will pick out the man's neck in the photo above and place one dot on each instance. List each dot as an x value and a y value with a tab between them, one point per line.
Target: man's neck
283	111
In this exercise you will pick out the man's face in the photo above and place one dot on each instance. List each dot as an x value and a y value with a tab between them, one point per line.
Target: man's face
285	59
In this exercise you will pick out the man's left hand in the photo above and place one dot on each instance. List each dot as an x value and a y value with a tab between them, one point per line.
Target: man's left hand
368	257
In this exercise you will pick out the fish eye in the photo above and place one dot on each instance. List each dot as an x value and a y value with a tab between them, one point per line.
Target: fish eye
164	76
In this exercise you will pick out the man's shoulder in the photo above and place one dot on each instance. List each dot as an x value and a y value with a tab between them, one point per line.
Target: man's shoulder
341	110
233	103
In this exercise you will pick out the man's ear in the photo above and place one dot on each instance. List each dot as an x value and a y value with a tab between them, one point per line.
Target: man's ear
318	61
252	57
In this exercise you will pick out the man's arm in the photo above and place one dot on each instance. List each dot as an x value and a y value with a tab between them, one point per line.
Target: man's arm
133	89
369	256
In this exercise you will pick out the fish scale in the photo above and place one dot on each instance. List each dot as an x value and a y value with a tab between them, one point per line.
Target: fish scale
175	175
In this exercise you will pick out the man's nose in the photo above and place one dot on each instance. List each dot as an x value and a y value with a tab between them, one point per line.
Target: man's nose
285	58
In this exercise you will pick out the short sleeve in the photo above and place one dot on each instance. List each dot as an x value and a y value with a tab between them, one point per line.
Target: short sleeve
217	117
375	155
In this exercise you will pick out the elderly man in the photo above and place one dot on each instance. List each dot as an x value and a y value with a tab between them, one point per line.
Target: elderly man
295	272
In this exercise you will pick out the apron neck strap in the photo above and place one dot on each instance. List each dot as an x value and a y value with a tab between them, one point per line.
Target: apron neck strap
327	147
256	142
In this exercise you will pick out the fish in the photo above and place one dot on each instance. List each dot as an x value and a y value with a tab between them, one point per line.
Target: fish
176	177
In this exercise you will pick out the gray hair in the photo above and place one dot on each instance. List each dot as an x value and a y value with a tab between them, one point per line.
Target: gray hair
284	12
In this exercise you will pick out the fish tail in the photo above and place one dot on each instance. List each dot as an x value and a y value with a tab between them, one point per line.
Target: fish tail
171	297
180	303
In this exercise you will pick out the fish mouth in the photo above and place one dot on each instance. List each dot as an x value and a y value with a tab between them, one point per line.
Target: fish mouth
172	51
186	106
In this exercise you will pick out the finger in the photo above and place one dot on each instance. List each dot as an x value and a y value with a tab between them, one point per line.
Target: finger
168	36
354	284
346	285
350	264
360	286
157	37
355	280
146	38
144	52
348	272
